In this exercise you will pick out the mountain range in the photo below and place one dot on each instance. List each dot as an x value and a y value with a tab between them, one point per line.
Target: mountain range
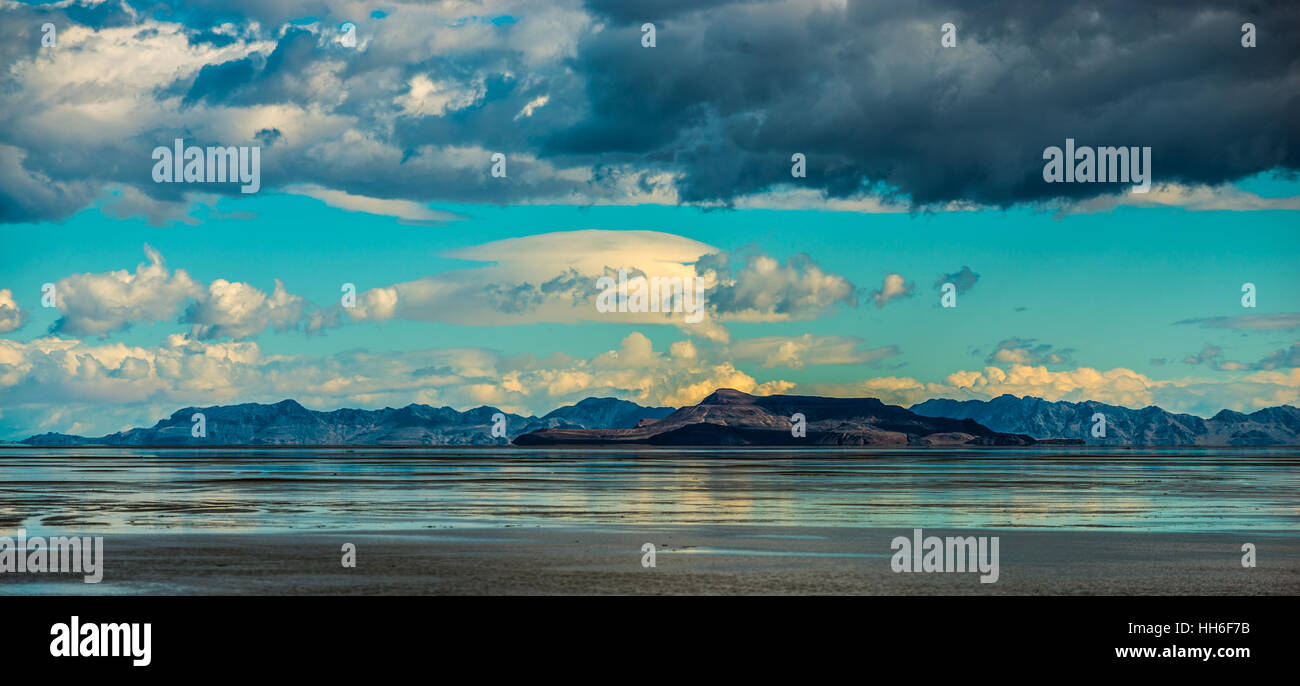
289	423
1148	426
726	417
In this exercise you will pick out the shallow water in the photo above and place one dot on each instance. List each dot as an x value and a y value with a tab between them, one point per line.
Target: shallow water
183	490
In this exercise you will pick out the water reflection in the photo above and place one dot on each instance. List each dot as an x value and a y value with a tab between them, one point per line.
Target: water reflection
83	490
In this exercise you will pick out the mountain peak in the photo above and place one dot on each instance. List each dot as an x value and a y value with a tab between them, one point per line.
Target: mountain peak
608	413
727	396
593	401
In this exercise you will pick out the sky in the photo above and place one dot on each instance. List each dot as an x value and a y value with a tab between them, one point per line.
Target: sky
123	298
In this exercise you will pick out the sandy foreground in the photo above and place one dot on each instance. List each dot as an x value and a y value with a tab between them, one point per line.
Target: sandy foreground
713	559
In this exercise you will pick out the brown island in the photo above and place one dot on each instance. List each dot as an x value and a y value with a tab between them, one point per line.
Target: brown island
730	417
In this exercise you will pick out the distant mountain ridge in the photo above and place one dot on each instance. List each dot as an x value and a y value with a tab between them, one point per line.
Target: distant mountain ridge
726	417
1149	426
730	417
289	423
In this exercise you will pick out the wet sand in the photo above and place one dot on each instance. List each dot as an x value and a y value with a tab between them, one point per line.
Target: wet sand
712	559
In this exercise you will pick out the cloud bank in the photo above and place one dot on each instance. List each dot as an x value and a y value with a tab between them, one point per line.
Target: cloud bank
409	117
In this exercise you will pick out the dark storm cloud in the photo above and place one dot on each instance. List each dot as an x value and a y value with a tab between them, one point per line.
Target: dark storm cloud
715	111
870	97
45	178
219	81
256	81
